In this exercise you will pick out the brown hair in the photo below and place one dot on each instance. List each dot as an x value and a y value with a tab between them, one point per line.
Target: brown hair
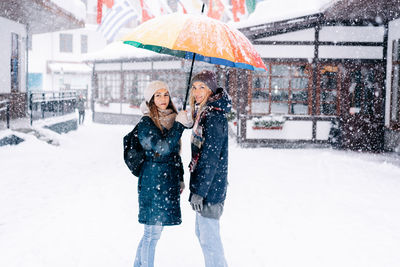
154	111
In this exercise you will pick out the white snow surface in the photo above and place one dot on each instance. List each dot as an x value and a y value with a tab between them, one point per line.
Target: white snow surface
76	205
276	10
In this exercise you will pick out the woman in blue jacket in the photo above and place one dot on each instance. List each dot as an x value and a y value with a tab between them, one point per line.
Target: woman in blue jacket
209	164
161	177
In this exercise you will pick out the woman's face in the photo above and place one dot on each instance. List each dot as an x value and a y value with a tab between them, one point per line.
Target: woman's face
200	92
161	99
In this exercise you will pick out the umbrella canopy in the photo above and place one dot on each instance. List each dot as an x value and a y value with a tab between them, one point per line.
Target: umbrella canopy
182	35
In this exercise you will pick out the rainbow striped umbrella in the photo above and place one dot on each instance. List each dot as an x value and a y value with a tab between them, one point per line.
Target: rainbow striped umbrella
196	37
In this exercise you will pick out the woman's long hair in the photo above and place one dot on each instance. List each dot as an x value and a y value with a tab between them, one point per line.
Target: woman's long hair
192	103
154	111
156	118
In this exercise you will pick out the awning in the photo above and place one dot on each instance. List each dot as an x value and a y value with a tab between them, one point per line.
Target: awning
68	68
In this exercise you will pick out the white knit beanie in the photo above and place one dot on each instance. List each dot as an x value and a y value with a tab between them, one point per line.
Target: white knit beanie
152	88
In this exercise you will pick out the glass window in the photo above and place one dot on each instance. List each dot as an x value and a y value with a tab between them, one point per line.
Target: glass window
260	82
109	86
299	83
328	90
395	90
259	101
280	70
277	83
84	44
284	90
14	62
65	43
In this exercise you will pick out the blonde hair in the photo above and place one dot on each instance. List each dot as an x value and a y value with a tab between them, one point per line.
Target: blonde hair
192	101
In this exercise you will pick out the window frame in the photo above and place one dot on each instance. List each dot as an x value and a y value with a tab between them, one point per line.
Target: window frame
64	41
290	89
320	90
84	43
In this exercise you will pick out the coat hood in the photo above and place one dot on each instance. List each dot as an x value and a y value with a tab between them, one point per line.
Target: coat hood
221	100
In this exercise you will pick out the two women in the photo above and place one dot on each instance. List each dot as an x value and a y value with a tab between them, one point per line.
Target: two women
161	178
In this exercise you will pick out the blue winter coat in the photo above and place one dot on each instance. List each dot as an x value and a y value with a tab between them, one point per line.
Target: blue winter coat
158	186
209	177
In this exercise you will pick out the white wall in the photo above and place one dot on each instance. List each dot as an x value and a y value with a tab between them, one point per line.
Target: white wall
6	28
46	47
285	51
351	34
327	34
394	33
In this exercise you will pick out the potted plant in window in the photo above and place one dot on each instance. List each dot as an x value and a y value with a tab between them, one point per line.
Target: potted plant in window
268	123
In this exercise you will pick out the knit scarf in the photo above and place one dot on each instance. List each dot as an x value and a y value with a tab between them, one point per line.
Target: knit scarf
197	134
167	118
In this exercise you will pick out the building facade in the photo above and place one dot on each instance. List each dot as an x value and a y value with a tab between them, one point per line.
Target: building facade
19	20
328	80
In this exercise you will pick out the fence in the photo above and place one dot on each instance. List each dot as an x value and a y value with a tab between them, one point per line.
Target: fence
46	104
5	111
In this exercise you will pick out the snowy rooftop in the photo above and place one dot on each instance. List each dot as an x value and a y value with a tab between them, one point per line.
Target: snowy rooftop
276	10
119	50
69	67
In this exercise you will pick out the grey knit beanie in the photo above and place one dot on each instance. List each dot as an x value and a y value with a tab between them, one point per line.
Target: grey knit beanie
207	77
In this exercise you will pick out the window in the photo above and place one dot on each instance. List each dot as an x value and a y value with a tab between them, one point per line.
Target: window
395	96
65	43
284	89
14	62
109	86
327	95
134	85
84	44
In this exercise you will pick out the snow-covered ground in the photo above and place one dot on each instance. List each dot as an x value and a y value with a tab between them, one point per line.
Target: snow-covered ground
76	205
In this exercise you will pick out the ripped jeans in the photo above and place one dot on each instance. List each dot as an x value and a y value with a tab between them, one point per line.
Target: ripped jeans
207	231
147	246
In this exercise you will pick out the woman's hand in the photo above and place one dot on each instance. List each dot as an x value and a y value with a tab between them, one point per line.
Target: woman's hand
184	118
182	185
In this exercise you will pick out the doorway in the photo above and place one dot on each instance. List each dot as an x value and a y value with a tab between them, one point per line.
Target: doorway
362	113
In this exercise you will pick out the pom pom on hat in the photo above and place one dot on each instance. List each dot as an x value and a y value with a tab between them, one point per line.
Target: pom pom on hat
207	77
153	87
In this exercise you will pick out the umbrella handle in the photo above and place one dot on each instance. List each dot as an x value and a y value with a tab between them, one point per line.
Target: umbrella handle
191	70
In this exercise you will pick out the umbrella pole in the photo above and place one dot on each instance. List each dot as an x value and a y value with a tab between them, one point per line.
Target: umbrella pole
191	70
188	83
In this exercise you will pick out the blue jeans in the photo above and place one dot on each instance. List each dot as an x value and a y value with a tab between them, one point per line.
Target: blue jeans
147	246
207	231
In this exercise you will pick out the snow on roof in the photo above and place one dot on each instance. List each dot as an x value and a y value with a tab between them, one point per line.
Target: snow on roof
275	10
75	7
119	50
69	67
